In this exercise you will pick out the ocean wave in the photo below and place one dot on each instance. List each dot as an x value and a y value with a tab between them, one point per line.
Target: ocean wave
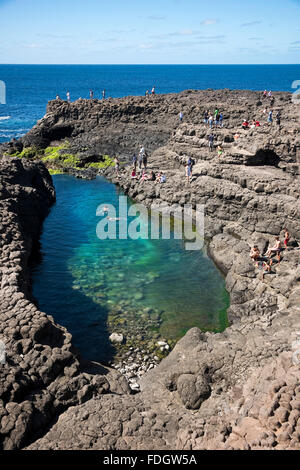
4	118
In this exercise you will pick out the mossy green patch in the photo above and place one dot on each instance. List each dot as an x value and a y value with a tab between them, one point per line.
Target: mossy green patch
55	172
27	152
57	158
105	163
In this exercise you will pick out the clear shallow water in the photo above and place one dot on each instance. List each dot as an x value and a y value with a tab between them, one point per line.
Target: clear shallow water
30	87
94	287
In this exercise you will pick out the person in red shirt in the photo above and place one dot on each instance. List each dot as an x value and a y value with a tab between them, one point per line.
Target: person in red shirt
286	237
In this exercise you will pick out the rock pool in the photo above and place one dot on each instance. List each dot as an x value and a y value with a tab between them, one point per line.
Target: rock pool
148	290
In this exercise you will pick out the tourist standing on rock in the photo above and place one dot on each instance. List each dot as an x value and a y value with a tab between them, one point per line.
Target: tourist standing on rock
205	117
278	118
180	116
68	96
191	163
103	94
91	94
141	155
153	91
210	120
117	165
188	172
147	93
211	139
145	160
286	237
134	160
221	120
270	117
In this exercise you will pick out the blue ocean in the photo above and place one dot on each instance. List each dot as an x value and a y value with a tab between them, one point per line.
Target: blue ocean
30	87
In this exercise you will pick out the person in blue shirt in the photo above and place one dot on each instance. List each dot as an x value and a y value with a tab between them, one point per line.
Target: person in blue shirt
270	117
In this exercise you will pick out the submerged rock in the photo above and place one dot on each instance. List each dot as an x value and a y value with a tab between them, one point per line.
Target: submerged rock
116	338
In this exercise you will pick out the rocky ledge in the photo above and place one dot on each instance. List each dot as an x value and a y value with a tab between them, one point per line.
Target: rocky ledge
239	389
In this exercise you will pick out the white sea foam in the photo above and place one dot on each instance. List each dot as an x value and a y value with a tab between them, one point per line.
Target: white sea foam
3	118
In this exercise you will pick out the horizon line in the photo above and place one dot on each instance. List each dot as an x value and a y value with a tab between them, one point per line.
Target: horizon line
131	64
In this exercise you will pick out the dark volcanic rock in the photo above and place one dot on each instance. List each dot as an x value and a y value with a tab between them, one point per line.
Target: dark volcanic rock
42	375
239	389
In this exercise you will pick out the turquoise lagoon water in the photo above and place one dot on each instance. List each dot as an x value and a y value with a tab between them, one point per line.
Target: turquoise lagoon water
137	287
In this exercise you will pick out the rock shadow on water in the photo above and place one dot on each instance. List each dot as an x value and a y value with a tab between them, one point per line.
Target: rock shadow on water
89	332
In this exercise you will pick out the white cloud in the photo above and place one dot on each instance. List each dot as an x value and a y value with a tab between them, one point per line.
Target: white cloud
209	21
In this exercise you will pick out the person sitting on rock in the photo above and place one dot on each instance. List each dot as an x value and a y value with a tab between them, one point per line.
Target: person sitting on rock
245	124
236	136
163	178
152	176
274	249
254	253
158	177
144	176
133	173
267	267
220	151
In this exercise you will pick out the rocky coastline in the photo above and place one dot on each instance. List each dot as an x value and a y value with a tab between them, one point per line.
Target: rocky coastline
239	389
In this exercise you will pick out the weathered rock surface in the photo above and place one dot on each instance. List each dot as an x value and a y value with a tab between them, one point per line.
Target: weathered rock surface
42	375
239	389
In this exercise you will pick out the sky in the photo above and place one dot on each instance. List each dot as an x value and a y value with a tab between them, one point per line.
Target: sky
149	32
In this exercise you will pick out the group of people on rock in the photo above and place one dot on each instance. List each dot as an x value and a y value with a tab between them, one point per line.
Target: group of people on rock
270	96
266	261
68	95
246	125
212	119
144	176
140	173
147	93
